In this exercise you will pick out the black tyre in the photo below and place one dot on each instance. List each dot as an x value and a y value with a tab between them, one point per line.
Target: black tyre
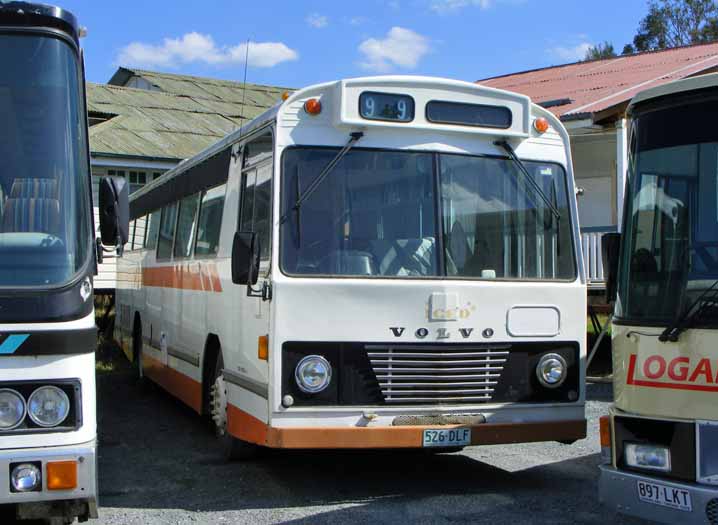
231	447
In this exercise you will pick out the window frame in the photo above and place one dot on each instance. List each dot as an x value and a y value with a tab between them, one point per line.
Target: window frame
174	232
193	231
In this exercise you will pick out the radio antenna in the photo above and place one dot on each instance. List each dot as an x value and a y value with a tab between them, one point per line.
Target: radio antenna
244	87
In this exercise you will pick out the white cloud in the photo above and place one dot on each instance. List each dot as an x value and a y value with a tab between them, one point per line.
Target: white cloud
196	47
400	48
451	6
317	21
571	54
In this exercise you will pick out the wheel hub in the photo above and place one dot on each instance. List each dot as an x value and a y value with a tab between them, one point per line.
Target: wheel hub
218	404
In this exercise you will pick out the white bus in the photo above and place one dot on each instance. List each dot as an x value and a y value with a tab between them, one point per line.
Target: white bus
48	257
367	265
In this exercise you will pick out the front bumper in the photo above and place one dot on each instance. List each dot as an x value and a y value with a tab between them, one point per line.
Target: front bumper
85	454
619	490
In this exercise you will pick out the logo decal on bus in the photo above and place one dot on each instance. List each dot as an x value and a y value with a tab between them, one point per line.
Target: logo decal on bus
423	333
12	343
677	373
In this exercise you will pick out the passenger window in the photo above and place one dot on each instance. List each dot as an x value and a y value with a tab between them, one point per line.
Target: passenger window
167	231
185	226
210	221
152	229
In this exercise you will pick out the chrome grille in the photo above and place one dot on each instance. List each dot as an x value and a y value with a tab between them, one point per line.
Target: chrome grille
421	374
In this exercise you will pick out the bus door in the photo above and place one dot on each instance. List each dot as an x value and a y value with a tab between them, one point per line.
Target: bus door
255	214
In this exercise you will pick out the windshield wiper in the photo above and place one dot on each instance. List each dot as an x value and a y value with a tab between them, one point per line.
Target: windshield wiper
683	321
354	137
512	154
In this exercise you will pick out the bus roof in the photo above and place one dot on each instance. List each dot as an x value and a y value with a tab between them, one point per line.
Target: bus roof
26	14
676	87
144	199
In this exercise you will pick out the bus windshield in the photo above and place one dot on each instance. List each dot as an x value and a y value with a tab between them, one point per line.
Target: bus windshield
408	214
670	253
44	208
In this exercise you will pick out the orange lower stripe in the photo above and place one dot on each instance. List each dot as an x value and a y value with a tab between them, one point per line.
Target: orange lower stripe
179	385
188	276
248	428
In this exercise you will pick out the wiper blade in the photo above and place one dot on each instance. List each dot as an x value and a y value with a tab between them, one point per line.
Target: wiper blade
354	137
682	322
512	154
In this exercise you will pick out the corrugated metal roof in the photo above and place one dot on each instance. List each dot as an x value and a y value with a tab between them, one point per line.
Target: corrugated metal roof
600	85
185	116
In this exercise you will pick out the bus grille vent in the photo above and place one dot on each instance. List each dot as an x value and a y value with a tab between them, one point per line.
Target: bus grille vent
712	511
436	375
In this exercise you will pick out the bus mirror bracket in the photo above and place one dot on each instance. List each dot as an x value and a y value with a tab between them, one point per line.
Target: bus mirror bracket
114	212
245	259
610	247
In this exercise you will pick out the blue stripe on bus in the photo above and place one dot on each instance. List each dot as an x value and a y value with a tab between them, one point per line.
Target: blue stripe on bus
12	343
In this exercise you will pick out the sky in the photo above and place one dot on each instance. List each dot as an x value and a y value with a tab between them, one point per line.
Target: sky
298	43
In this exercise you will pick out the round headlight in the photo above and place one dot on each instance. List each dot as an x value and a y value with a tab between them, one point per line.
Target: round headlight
313	374
25	477
48	406
551	370
12	409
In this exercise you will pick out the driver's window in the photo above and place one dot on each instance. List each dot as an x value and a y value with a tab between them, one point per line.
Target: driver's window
256	192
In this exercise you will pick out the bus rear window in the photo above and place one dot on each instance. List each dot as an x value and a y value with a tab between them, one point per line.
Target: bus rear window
479	115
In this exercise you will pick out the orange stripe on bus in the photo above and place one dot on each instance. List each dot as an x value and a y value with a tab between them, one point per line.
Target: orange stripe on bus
179	385
184	277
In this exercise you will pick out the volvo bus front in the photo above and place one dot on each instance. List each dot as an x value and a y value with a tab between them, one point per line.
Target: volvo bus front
47	260
660	440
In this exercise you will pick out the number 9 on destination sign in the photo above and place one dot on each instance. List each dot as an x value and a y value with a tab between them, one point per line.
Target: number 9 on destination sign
386	106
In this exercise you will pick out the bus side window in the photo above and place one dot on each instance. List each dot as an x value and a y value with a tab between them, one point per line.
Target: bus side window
152	229
263	208
185	225
210	221
167	231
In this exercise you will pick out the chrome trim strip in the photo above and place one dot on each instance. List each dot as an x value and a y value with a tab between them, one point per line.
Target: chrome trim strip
254	386
182	356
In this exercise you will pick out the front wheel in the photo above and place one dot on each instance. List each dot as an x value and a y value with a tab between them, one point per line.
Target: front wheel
232	448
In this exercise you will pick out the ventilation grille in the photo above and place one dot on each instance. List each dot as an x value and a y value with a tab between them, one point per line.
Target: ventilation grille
712	511
437	375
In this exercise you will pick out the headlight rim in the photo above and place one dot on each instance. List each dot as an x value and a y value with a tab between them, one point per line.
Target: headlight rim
24	409
300	383
542	361
34	419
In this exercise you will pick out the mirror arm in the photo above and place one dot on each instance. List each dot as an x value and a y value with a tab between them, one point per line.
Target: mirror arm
264	292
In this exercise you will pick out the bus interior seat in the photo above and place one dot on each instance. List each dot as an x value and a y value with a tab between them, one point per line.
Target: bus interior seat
31	215
36	188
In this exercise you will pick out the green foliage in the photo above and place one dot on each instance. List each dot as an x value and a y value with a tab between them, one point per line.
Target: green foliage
599	51
672	23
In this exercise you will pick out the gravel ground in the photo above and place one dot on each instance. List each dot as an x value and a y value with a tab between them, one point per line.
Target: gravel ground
158	465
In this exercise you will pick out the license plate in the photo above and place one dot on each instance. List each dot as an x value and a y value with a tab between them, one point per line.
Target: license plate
455	437
665	496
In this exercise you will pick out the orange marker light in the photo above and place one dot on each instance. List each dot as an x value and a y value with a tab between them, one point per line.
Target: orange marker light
541	125
61	475
263	347
285	95
313	106
605	423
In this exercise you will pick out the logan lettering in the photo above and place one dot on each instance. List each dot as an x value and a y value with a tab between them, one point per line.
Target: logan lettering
465	332
421	333
703	369
442	333
676	373
654	372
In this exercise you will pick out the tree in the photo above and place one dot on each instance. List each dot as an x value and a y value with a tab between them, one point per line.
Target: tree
600	51
628	49
673	23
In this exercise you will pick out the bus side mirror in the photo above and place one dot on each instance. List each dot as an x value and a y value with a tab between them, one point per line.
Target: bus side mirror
114	197
245	258
610	247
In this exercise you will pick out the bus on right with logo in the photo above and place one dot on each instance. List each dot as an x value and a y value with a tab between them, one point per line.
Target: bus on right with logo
660	439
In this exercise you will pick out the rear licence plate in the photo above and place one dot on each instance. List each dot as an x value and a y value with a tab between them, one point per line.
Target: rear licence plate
455	437
665	496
